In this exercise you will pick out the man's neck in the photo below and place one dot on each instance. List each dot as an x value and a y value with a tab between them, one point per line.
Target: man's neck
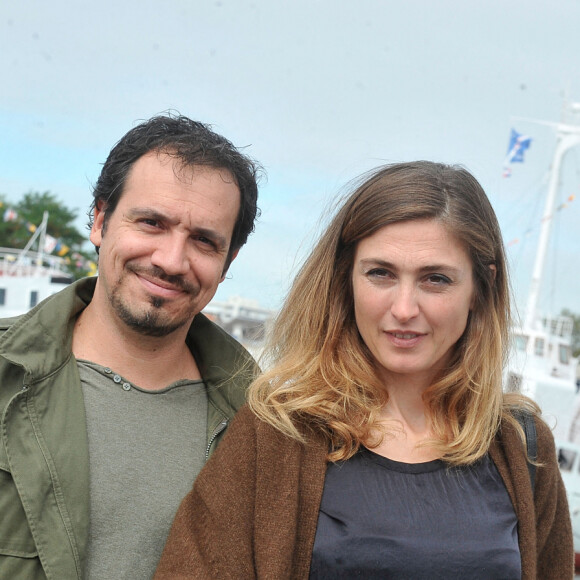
150	362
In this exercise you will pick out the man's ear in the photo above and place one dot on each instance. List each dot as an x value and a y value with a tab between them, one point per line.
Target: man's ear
234	255
96	235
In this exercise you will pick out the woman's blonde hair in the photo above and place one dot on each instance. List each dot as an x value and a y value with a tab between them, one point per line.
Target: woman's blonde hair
321	375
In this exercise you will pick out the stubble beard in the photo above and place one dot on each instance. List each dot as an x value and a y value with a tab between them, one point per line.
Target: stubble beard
151	320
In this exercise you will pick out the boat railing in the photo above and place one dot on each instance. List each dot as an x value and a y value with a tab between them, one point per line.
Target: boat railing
560	326
14	263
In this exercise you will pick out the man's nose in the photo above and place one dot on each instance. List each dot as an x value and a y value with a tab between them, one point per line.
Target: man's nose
171	255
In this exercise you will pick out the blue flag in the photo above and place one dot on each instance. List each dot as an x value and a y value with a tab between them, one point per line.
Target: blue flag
518	144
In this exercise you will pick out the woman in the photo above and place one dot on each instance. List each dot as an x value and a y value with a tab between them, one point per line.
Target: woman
379	444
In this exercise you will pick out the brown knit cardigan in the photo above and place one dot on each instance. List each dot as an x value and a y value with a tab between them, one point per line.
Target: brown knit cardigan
253	510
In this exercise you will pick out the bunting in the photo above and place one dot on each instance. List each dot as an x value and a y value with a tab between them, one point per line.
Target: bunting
52	245
10	215
49	244
517	146
562	206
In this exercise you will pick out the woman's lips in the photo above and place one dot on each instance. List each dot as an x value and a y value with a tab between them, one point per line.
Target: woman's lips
404	338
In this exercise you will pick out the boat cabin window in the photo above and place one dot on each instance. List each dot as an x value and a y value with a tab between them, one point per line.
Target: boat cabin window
564	351
566	459
2	296
33	298
539	346
521	342
514	383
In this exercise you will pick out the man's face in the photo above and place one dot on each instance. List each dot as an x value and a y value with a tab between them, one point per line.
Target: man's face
163	250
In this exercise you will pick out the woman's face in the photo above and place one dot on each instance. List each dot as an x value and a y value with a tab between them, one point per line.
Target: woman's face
413	290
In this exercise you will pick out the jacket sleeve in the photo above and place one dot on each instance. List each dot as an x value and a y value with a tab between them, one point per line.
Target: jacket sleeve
554	543
211	536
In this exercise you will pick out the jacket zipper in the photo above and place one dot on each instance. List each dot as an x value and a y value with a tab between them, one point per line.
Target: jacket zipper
218	430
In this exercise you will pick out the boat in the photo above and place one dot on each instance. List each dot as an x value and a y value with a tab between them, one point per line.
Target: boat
541	364
29	276
243	319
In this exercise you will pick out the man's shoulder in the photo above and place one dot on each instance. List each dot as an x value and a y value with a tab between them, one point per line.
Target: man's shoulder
58	304
207	337
6	323
226	366
40	334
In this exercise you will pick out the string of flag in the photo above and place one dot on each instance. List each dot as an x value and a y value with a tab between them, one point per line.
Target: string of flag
518	145
52	245
562	206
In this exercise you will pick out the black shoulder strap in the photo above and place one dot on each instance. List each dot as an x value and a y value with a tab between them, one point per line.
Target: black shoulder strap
526	420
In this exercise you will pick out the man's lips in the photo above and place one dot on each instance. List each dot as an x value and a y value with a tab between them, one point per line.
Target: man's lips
158	282
158	286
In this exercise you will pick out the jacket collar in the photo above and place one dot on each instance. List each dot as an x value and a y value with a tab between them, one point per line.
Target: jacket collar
41	340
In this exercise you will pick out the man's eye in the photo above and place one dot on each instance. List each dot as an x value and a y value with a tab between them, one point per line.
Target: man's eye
150	222
378	273
205	241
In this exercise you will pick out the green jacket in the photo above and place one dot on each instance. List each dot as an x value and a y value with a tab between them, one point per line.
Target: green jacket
44	464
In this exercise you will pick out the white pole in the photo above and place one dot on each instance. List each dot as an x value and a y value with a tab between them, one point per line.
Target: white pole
42	240
568	137
24	251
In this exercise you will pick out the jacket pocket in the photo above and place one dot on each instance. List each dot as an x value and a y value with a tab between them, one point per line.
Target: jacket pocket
18	554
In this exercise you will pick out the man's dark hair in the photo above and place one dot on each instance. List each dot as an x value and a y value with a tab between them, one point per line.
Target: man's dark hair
193	144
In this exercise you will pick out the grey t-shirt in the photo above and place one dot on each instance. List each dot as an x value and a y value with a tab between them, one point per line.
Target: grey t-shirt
145	450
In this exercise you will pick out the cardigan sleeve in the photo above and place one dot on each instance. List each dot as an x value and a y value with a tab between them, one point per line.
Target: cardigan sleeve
253	510
554	543
544	527
211	536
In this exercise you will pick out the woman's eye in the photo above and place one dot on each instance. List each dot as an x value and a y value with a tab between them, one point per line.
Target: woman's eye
438	279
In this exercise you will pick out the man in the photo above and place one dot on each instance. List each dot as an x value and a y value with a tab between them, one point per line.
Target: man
114	391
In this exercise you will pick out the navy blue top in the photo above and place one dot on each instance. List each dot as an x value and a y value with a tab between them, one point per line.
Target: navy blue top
386	519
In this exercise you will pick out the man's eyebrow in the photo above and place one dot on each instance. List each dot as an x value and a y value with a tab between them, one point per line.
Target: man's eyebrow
149	213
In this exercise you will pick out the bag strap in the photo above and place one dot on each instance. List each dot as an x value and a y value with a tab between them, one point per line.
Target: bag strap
526	420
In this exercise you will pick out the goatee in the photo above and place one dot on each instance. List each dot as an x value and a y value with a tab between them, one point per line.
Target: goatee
152	320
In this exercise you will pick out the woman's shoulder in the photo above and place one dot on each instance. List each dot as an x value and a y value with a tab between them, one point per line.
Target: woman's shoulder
544	431
246	421
541	432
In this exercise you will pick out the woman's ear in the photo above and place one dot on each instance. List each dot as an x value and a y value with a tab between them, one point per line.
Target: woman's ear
493	275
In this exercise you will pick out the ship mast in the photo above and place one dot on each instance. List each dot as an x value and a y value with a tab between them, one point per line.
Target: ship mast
39	231
568	136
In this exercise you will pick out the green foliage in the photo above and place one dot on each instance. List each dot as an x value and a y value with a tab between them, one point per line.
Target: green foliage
575	331
30	210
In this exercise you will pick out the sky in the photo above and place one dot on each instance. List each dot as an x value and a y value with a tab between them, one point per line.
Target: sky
318	92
